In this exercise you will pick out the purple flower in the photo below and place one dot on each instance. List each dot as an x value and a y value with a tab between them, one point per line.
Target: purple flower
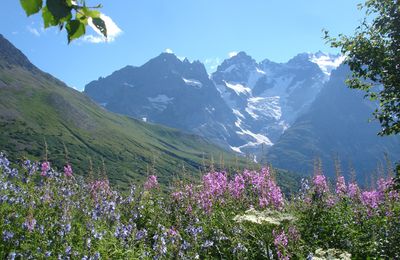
194	231
280	242
151	182
141	234
172	232
294	233
68	170
30	223
385	187
268	191
207	243
341	188
331	201
7	235
320	184
236	187
68	250
12	256
215	183
45	167
353	190
370	199
177	195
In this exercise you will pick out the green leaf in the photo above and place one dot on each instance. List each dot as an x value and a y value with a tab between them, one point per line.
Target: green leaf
82	18
91	13
48	18
75	29
100	24
31	6
59	9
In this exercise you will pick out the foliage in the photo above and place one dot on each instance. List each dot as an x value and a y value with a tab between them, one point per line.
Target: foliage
73	15
373	54
46	213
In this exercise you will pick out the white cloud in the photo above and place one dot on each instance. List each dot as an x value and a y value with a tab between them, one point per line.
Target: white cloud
168	50
33	31
113	31
232	54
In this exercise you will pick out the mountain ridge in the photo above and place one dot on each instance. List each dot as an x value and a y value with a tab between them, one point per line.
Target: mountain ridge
258	101
36	108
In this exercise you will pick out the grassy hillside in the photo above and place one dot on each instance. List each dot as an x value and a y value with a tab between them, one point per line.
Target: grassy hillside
34	108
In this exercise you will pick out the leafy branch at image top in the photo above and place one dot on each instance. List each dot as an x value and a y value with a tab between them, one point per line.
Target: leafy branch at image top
72	15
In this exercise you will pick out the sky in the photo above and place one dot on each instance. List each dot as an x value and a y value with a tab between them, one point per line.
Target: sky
205	30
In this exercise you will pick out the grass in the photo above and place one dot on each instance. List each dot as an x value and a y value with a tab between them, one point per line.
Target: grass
36	108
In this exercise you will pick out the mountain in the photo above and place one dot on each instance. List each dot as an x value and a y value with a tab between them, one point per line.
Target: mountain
171	92
267	97
242	106
36	107
335	125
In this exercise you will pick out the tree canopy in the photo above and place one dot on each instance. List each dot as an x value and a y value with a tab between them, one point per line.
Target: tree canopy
73	15
373	55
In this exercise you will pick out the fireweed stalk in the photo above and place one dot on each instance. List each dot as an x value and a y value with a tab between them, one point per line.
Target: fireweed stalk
47	214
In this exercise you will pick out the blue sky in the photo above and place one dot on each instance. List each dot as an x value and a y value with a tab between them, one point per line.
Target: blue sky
205	30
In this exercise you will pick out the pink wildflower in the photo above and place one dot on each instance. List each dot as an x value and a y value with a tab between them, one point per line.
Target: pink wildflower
172	232
280	242
189	209
370	199
177	195
151	182
236	186
68	170
45	167
341	186
384	186
263	202
275	194
331	201
30	223
294	233
215	183
353	190
320	184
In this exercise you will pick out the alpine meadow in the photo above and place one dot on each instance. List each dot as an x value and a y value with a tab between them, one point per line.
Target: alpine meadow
200	129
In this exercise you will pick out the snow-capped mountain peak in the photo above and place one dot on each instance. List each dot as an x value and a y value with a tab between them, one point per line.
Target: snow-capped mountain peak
326	62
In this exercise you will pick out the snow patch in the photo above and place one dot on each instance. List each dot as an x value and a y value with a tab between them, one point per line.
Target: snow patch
192	82
128	85
229	69
210	109
264	106
259	138
236	149
237	113
161	99
160	102
254	76
238	88
326	62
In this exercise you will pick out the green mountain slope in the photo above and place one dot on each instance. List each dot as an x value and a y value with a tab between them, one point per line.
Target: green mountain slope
35	107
